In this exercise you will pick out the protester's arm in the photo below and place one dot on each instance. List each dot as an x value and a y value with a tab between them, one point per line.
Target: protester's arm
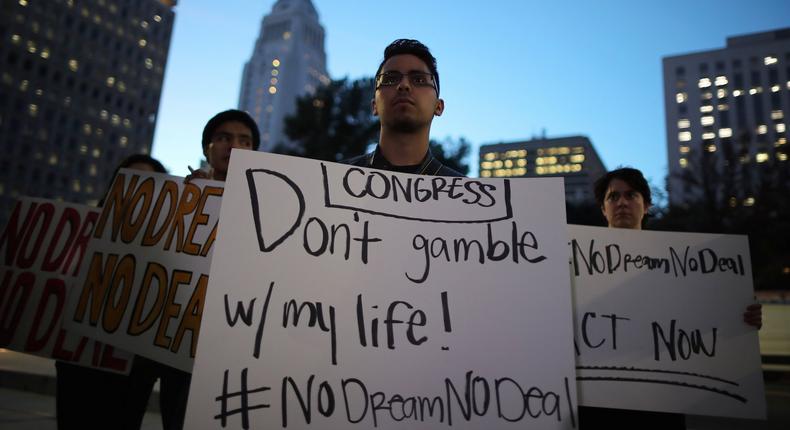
754	315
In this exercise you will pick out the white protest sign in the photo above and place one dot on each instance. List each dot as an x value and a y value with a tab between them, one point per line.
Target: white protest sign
146	269
659	322
41	253
343	296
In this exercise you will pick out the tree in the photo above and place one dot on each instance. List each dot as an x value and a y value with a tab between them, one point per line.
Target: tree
452	154
333	124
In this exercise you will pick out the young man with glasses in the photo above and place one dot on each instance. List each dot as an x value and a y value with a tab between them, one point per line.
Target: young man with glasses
406	100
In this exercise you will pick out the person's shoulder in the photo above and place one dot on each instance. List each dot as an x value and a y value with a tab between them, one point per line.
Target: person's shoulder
447	171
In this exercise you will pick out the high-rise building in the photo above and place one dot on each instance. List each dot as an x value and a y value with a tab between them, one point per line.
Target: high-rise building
79	91
726	111
573	158
287	62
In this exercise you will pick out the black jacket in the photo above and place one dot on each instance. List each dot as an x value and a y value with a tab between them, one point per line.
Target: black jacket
430	165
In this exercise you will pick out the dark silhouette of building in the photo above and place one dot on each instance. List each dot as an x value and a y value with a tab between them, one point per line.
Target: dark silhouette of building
79	91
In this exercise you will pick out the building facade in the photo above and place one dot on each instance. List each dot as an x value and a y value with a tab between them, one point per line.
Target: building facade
79	91
573	158
726	116
287	62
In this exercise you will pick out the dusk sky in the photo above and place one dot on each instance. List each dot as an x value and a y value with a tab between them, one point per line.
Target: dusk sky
510	70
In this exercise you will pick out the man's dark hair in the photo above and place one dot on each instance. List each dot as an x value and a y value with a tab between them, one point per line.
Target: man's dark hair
132	160
231	115
630	176
413	47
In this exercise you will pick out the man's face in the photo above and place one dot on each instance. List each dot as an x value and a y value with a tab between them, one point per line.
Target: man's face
623	206
406	107
229	135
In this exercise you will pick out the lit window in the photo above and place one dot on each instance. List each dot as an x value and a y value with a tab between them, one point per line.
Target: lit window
23	85
755	90
737	93
286	35
704	83
723	107
749	201
142	42
110	81
276	63
74	65
781	156
733	202
777	114
775	89
578	158
497	164
86	128
706	108
32	109
157	18
92	170
127	123
45	53
103	114
53	159
684	136
725	132
762	129
711	147
706	120
96	152
490	156
272	90
149	63
708	135
23	2
707	95
681	97
144	24
275	72
485	174
273	81
17	38
121	86
721	93
761	157
521	162
684	149
781	141
123	141
31	47
509	163
744	159
485	165
75	185
788	85
683	162
721	81
770	60
780	128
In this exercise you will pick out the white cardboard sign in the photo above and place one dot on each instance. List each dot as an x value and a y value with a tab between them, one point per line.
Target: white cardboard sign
41	254
659	322
346	297
146	270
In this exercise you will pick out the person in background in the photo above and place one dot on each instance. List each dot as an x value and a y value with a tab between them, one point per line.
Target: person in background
224	132
87	398
624	198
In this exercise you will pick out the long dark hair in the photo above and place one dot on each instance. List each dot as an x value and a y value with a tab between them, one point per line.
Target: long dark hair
131	160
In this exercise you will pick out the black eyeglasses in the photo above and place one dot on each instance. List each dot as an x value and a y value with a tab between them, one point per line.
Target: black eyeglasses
392	78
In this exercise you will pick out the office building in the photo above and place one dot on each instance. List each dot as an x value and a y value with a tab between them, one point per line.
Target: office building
79	91
287	62
573	158
726	116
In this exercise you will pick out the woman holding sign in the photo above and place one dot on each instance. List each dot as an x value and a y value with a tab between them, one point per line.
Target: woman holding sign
624	198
